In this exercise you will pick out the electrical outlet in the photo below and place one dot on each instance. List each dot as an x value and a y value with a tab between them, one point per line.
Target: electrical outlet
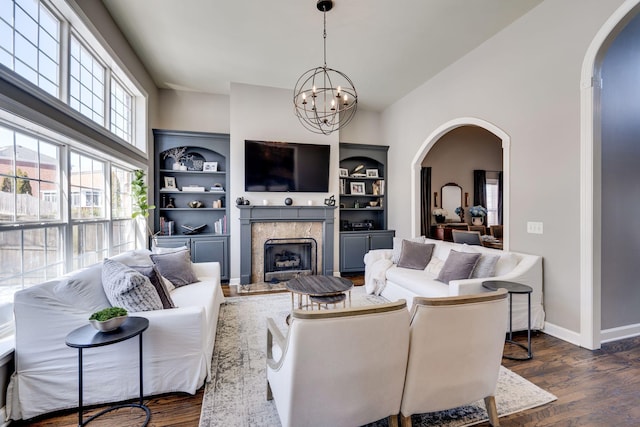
534	227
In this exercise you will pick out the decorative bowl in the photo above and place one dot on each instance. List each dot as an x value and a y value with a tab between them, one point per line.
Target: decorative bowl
195	204
109	324
373	204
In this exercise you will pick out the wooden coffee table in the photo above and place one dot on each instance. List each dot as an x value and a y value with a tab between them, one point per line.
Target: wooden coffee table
321	289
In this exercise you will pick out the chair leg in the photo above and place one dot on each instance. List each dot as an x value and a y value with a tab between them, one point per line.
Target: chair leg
269	392
490	404
405	421
393	420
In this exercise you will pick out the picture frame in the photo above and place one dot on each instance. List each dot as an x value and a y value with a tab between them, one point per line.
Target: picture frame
357	188
210	167
344	172
170	183
372	173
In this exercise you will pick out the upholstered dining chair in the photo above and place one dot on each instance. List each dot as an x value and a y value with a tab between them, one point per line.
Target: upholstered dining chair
455	353
468	237
342	367
496	231
479	228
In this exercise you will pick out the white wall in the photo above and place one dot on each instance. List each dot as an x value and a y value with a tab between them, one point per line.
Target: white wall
526	81
193	111
267	114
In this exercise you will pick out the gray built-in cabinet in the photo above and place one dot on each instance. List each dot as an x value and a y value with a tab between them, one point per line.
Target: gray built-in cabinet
206	160
363	225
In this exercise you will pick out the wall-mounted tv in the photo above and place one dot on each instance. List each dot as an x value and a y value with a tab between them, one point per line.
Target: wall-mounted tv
286	166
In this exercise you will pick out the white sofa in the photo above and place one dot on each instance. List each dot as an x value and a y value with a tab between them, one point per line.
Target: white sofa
178	344
384	277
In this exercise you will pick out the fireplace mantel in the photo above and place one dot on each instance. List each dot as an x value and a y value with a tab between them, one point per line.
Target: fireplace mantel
250	214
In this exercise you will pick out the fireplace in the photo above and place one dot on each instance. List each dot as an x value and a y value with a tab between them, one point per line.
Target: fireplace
286	259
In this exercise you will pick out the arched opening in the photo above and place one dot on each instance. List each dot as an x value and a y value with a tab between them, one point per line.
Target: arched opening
591	217
429	144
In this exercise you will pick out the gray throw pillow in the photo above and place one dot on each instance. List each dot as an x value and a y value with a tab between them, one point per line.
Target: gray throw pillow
127	288
486	266
156	280
397	246
414	255
459	265
176	267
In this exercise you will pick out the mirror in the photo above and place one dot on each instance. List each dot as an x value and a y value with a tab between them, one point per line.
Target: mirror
451	196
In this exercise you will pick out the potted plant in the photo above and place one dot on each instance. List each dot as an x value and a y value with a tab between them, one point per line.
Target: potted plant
108	319
477	214
460	212
440	215
141	206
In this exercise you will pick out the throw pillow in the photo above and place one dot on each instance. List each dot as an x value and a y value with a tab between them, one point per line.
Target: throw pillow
486	266
157	282
414	255
435	266
459	265
506	263
127	288
175	267
397	246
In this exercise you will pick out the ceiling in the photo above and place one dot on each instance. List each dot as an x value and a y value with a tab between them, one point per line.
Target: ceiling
386	48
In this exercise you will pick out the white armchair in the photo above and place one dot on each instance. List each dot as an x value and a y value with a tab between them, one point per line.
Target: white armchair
455	353
339	367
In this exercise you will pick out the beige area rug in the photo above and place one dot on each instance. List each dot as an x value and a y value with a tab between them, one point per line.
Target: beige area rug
236	395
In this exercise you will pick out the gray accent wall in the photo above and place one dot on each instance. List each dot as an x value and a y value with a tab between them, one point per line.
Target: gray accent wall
621	179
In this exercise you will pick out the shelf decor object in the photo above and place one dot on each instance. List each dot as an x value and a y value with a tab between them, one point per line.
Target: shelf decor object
325	99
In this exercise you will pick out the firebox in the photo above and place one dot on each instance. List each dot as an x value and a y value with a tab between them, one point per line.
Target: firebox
286	259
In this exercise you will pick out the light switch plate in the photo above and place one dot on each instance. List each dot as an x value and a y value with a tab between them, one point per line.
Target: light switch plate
534	227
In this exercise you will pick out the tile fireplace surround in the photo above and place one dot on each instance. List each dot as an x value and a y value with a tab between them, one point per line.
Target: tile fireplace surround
292	215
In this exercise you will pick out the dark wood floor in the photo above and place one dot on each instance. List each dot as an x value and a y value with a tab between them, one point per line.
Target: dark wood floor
594	388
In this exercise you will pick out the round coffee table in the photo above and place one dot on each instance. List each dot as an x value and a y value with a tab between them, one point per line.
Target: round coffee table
321	289
514	288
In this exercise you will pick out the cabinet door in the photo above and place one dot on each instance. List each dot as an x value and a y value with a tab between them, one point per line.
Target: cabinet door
171	242
381	241
210	249
353	247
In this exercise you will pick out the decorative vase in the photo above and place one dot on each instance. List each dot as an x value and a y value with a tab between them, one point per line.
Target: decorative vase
477	220
176	166
440	219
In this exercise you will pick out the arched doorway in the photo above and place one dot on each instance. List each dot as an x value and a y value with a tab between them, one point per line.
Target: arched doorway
428	145
591	176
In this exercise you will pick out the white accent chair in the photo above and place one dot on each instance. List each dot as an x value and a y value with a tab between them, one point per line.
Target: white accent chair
455	353
341	367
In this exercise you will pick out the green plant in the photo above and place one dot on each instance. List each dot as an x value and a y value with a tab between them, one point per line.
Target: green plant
108	313
141	206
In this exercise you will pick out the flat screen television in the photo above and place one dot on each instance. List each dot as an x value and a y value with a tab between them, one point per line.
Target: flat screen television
286	166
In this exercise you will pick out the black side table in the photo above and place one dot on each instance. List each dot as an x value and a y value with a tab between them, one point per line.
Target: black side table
514	288
88	337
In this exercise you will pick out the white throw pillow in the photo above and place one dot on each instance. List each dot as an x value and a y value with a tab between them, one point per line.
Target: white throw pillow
506	263
136	257
434	266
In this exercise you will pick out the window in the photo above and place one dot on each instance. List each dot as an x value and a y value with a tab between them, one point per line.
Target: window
30	43
86	82
34	35
491	189
87	179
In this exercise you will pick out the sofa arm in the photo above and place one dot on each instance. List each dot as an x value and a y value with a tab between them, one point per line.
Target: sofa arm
206	269
377	254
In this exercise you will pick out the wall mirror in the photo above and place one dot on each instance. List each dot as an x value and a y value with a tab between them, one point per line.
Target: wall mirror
451	196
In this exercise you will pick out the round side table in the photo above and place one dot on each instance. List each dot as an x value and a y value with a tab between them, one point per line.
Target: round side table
514	288
88	337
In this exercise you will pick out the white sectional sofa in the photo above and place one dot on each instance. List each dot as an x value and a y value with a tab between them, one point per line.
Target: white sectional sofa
384	277
178	344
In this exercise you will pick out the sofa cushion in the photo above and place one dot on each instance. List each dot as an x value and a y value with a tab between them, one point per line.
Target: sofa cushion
397	246
176	267
83	288
459	265
415	255
156	280
418	282
135	257
127	288
506	263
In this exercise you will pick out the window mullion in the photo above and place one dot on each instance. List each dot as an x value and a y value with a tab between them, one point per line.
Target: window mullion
65	34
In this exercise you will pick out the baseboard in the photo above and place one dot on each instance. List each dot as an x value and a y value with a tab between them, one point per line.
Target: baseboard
562	333
619	333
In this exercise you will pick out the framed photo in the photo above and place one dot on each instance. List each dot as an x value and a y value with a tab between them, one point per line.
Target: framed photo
170	183
357	188
344	172
372	173
210	166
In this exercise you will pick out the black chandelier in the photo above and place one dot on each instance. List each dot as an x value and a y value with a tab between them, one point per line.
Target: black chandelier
324	99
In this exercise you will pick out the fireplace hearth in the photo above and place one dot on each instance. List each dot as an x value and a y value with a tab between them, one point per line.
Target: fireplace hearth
286	259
